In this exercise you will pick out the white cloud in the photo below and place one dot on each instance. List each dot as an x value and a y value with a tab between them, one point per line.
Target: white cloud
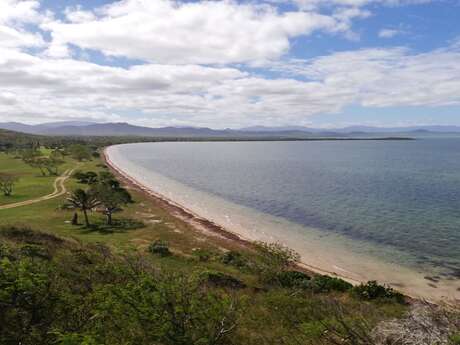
388	77
13	15
208	32
314	4
22	11
388	33
176	86
164	94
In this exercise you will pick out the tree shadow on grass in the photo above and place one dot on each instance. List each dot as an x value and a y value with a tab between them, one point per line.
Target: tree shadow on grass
118	226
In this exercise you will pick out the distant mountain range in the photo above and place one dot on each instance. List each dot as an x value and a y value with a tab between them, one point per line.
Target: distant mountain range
83	128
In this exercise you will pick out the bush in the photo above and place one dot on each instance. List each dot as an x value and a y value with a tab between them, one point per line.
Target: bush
203	255
276	255
5	251
234	258
89	177
27	235
33	250
293	279
323	283
160	248
272	259
219	279
372	290
455	339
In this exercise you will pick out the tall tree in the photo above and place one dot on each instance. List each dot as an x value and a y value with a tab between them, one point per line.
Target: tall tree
112	198
84	201
35	159
80	152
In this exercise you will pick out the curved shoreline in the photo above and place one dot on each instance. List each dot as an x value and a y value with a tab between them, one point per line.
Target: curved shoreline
195	219
416	285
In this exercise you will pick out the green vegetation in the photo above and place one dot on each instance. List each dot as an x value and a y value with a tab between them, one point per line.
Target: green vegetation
28	183
455	339
54	290
147	277
79	152
7	182
371	290
84	200
160	247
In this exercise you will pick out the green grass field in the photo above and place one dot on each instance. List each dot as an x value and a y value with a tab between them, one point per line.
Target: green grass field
31	183
47	215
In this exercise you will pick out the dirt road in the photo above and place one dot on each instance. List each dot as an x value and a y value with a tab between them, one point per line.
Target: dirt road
59	189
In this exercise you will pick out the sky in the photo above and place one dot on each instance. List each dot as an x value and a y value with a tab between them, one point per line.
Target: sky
231	64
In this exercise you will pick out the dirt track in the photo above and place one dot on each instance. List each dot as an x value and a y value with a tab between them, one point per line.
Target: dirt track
59	189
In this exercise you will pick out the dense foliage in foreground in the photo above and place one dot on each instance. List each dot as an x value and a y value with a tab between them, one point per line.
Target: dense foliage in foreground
58	291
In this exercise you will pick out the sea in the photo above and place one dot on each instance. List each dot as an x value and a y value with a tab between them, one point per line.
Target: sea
386	209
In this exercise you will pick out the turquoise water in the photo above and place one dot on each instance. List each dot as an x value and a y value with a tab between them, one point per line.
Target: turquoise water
396	195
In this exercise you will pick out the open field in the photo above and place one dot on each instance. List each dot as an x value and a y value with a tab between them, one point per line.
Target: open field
47	215
30	185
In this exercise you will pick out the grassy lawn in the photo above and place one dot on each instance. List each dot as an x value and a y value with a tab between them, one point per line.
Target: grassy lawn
47	215
30	185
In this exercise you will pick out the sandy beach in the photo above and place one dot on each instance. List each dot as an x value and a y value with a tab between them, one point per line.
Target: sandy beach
318	254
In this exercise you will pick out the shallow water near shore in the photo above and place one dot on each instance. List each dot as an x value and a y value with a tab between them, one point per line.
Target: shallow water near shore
382	210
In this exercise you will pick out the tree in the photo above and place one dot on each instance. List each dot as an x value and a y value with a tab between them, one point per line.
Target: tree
35	159
57	154
40	163
80	152
112	199
7	182
89	177
274	258
28	155
52	165
107	177
84	201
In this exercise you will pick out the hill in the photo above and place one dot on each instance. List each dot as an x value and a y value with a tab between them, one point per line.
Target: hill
85	128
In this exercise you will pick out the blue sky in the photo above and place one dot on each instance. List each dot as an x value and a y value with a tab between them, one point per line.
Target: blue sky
321	63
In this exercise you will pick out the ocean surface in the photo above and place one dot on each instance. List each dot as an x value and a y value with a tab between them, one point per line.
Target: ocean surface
397	202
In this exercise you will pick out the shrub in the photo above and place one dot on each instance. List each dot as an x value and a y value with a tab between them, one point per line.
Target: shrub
89	177
323	283
75	339
272	259
27	235
455	339
5	251
33	250
293	279
160	248
219	279
234	258
372	290
203	255
277	255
